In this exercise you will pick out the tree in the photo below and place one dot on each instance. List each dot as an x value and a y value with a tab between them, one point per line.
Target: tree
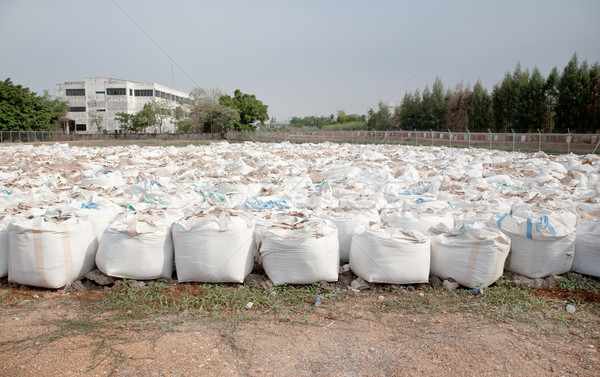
21	109
457	116
380	119
342	117
96	121
250	109
161	111
409	114
577	102
481	116
207	114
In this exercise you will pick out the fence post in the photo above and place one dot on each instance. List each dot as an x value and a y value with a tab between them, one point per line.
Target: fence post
469	138
569	141
431	136
513	132
450	137
490	132
540	140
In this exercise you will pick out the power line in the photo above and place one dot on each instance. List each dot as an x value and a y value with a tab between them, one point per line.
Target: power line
157	45
438	49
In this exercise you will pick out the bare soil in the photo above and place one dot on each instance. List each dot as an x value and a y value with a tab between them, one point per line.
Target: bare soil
42	333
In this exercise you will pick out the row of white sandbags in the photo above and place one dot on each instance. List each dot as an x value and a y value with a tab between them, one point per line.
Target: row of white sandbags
539	248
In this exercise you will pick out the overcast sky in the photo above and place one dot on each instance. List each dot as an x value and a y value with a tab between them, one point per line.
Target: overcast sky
309	57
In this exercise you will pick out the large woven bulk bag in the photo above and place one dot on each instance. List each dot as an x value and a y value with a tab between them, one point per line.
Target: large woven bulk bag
304	253
347	221
473	257
4	246
136	247
383	254
214	247
540	247
587	249
419	216
50	252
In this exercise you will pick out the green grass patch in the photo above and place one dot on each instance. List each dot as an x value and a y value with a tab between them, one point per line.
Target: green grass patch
503	303
214	301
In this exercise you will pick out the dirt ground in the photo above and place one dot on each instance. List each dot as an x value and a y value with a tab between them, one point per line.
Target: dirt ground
43	334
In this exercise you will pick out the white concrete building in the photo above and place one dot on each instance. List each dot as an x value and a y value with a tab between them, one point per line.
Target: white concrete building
94	103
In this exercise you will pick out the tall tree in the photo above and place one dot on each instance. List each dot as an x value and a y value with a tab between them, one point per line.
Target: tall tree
480	110
457	116
248	106
577	105
207	114
380	119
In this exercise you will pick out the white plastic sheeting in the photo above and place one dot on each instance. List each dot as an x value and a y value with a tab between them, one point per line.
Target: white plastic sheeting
214	247
587	249
540	247
382	254
474	257
136	247
304	252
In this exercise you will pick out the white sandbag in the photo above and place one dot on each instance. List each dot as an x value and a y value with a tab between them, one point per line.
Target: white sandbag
136	247
304	253
473	257
50	252
347	221
540	247
102	178
214	247
4	246
419	216
383	254
587	249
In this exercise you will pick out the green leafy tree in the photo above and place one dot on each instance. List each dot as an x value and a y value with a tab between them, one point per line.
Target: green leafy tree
577	103
342	117
409	114
162	112
380	119
250	109
481	117
207	114
21	109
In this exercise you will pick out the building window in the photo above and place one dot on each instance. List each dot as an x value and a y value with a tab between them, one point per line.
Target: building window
100	109
77	109
75	92
143	92
99	91
130	92
116	92
80	127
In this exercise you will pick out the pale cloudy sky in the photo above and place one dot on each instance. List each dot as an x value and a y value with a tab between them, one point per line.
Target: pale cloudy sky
310	57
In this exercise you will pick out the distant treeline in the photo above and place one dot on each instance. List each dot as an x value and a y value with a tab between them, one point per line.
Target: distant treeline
523	101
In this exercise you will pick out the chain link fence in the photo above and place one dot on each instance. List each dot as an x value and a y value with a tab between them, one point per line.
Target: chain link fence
524	142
